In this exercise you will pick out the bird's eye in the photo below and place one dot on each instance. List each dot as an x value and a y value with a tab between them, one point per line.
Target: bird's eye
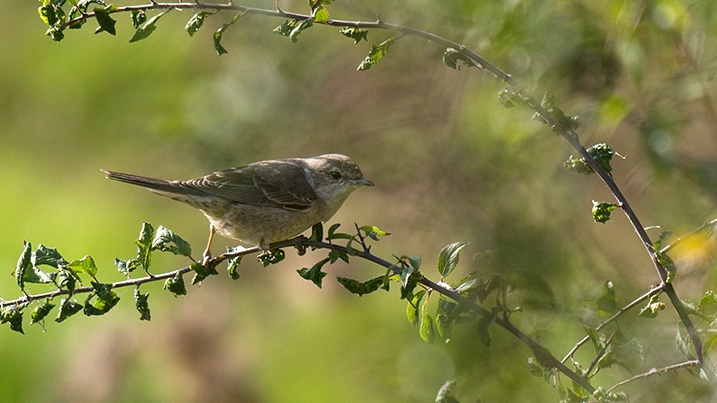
336	175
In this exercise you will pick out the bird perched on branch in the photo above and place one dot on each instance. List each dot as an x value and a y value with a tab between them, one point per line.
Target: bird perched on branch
266	201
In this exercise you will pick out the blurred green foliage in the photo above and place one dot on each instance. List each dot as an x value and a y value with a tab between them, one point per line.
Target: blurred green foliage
450	164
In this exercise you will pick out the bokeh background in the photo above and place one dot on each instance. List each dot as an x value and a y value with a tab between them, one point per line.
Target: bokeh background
449	162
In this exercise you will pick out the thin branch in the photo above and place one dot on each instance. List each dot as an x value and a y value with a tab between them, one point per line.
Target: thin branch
620	311
655	371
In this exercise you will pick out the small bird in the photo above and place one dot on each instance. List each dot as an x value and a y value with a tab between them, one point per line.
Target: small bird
266	201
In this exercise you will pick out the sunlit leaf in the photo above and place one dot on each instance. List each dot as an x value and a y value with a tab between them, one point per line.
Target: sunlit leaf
85	265
142	305
67	308
168	241
196	22
412	307
376	54
175	285
449	257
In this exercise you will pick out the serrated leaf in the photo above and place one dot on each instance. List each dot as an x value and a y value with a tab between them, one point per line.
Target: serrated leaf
12	315
66	279
376	54
601	211
273	256
412	307
361	288
354	33
426	330
24	264
175	285
67	308
85	265
40	312
232	266
104	300
449	257
126	267
144	245
140	302
201	272
603	153
148	28
314	274
105	22
220	32
47	256
196	22
168	241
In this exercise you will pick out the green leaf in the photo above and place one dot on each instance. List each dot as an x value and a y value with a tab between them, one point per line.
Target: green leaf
24	263
106	23
317	232
426	330
654	305
561	122
709	298
220	32
445	318
354	33
175	285
374	232
52	14
12	315
232	266
84	265
146	30
376	54
314	274
75	13
167	241
67	308
55	33
47	256
603	153
452	57
126	267
201	272
140	302
138	18
144	245
196	22
335	255
683	342
448	258
40	312
273	256
321	14
293	28
361	288
601	211
66	279
412	307
105	300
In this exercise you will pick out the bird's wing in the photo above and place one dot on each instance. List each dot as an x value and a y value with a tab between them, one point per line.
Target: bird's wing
280	184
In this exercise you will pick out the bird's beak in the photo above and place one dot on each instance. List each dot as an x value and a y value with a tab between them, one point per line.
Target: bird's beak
364	181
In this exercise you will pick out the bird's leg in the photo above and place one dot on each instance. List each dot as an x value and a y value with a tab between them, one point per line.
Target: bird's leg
207	252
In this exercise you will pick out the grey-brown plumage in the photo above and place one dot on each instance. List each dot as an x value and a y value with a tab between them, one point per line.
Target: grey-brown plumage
267	201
